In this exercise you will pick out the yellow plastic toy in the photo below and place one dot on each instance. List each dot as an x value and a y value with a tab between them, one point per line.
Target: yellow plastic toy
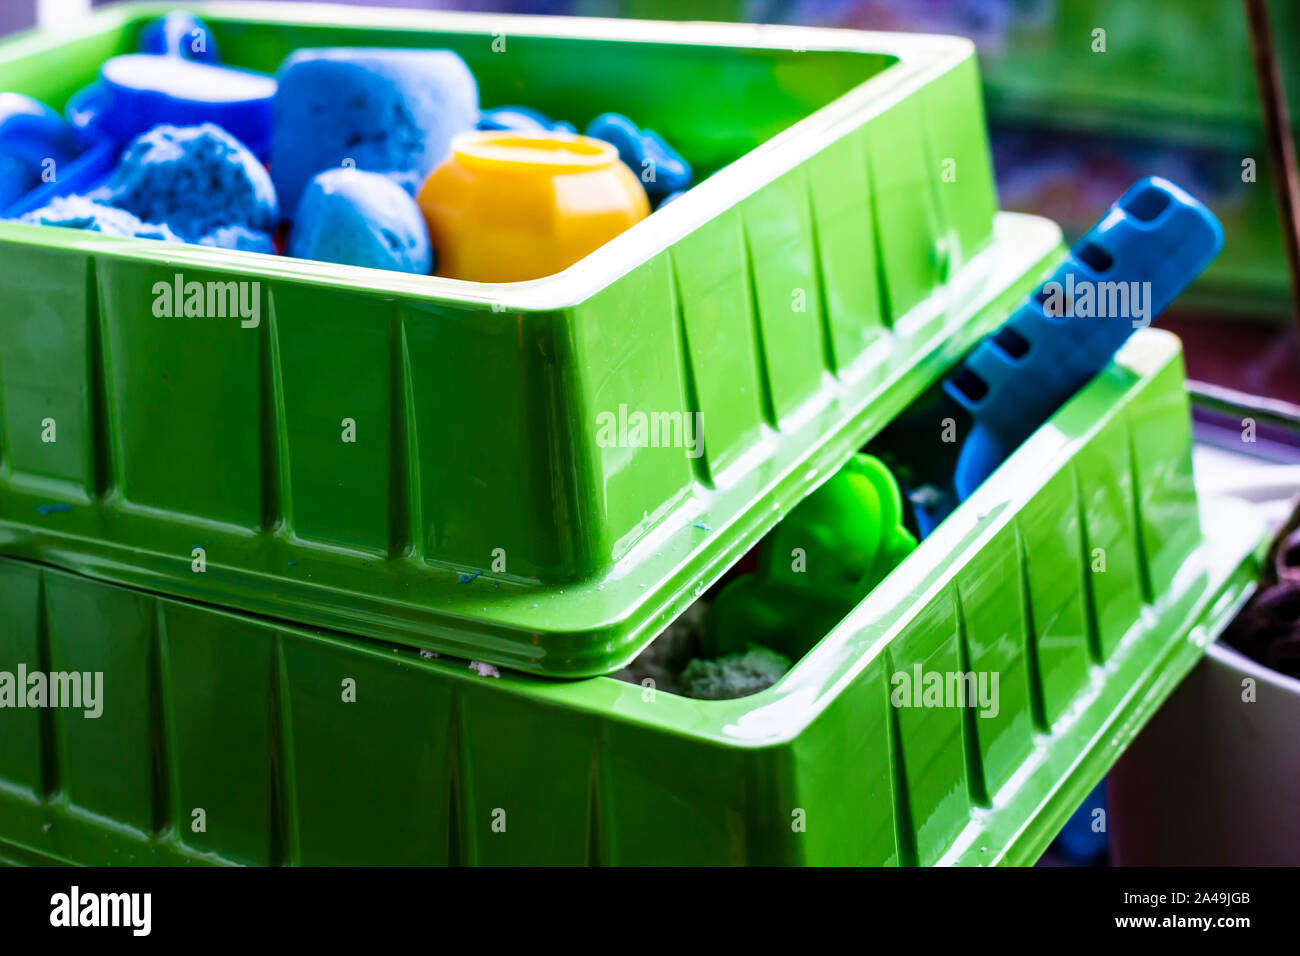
506	206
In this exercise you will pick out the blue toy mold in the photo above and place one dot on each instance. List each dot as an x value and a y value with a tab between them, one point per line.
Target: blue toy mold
658	166
1151	244
138	91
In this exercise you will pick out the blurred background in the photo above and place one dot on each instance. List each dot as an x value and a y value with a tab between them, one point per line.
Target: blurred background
1166	88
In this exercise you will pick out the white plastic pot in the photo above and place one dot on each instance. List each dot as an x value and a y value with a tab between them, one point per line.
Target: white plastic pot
1214	778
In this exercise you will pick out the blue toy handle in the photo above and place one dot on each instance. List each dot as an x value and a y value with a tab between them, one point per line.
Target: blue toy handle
83	174
1148	247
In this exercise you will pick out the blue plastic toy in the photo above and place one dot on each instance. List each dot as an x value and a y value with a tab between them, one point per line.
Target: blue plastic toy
522	118
138	91
1123	273
660	168
180	34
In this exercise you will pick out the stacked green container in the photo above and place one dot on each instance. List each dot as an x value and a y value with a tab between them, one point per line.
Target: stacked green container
841	256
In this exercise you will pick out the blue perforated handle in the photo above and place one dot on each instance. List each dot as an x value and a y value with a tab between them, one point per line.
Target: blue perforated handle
1123	273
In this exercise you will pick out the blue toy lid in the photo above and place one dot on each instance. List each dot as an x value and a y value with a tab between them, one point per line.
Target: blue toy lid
138	91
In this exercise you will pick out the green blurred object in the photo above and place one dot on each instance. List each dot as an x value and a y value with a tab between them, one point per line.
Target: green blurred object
498	501
829	553
250	719
1162	87
1184	64
1172	72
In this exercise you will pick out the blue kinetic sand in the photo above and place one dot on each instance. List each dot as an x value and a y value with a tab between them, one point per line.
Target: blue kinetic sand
195	179
658	166
180	34
239	237
360	218
35	141
138	91
80	212
1151	244
387	111
523	119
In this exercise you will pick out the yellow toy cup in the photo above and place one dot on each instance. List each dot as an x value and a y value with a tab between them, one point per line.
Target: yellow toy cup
506	206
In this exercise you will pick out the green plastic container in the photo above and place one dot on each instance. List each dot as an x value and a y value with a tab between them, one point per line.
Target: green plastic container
842	254
245	719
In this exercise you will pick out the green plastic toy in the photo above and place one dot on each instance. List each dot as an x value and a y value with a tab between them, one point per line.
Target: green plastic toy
829	554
